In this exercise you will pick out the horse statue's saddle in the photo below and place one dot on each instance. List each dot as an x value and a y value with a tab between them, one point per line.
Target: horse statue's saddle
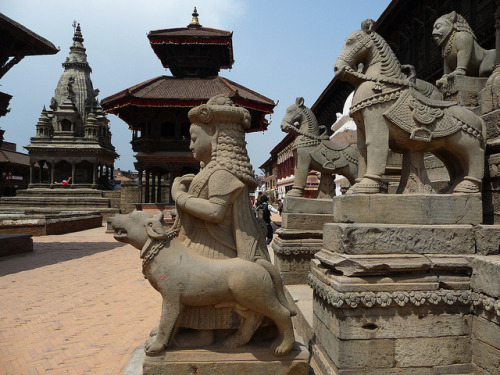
426	118
334	146
332	156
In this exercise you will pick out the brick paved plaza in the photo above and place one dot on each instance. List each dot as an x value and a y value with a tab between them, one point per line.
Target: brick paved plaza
77	305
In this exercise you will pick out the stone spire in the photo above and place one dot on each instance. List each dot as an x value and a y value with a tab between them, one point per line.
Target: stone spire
75	83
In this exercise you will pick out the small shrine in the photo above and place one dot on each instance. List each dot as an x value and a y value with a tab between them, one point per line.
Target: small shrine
157	110
72	146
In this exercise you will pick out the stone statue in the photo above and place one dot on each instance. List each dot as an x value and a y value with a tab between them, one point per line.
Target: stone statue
462	55
212	267
313	151
390	112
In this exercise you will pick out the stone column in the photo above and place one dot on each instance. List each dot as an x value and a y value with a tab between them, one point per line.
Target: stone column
40	171
140	185
31	174
158	190
73	167
153	188
52	171
94	173
146	198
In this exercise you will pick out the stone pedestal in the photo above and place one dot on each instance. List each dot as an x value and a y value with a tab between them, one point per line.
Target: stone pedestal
392	285
464	90
249	360
300	236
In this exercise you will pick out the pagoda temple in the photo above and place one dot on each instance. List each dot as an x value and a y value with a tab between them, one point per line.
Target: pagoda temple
156	110
73	138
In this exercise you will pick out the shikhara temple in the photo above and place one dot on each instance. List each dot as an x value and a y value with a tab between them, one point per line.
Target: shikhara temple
72	136
156	110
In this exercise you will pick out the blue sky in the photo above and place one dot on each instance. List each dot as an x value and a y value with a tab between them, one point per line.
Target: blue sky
282	49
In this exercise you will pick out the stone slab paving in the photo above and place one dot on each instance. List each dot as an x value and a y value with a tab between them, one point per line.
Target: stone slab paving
77	305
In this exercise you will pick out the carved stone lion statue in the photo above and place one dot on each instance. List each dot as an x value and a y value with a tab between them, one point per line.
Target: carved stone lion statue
462	54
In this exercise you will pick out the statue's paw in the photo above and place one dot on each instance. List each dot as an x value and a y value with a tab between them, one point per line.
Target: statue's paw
153	346
366	186
234	341
154	331
467	186
283	348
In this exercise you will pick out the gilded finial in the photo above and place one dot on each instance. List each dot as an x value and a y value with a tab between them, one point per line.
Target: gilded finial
194	20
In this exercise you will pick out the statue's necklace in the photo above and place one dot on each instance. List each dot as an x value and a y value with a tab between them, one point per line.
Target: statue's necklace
447	49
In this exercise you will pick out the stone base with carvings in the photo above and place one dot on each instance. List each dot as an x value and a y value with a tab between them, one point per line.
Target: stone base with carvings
464	90
392	286
249	360
300	236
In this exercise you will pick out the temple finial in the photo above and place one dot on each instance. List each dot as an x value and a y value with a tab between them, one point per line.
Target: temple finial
194	20
78	32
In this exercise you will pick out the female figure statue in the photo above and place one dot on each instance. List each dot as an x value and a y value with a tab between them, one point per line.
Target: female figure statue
215	216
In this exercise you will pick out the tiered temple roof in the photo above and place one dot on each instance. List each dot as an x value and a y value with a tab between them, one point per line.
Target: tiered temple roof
167	91
156	110
194	54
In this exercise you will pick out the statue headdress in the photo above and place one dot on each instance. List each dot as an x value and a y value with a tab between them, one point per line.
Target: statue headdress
220	109
228	143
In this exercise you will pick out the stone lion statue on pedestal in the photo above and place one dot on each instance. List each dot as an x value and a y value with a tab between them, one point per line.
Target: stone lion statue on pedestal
462	54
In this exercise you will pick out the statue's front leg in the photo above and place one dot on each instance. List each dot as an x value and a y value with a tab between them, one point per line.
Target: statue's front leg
171	309
302	162
377	150
361	142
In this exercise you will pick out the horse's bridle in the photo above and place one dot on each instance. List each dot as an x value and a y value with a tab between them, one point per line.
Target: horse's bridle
363	42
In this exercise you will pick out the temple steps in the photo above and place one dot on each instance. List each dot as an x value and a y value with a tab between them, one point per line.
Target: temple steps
61	200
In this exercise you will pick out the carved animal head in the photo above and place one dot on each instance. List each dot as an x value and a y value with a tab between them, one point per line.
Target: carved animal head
356	49
137	227
364	50
293	116
447	24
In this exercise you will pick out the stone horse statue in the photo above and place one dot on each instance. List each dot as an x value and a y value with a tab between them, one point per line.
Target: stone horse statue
391	113
315	151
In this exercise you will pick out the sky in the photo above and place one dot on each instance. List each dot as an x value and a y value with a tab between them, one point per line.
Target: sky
282	50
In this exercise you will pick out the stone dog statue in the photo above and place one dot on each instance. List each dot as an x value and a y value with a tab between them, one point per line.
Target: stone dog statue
186	279
212	267
390	112
313	151
462	55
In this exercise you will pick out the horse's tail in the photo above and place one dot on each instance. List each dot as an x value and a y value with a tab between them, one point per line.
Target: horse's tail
278	284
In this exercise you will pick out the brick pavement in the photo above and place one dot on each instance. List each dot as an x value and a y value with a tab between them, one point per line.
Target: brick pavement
77	305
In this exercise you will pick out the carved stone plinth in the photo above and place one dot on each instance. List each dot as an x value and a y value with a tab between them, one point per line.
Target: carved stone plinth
464	90
396	296
251	360
300	236
422	209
